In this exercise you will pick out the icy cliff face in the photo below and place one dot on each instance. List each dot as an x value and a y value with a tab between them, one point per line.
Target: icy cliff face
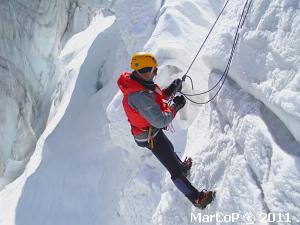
88	170
96	55
252	156
30	34
245	144
267	61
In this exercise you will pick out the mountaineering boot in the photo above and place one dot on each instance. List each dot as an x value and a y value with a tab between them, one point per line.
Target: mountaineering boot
186	166
204	198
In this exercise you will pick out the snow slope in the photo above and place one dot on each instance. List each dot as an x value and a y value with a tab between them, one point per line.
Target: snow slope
86	168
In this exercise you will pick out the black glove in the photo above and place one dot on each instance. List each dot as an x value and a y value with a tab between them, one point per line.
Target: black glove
179	102
175	85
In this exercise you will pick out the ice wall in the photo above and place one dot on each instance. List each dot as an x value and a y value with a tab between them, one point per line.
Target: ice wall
267	60
30	34
245	144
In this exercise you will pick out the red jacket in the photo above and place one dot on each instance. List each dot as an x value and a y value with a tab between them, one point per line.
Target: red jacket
138	123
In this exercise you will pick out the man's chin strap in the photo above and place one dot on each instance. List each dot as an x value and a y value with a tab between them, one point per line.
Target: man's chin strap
138	72
152	70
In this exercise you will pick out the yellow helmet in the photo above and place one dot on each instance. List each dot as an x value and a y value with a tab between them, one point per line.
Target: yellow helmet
141	60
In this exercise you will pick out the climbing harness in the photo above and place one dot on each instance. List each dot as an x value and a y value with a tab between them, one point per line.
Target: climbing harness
242	19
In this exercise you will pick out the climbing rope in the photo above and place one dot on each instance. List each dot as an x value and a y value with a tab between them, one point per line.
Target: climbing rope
206	38
242	19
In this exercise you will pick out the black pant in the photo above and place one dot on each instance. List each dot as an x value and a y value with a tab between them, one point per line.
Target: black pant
164	152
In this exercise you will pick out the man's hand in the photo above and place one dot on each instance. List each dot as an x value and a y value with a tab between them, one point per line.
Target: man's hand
176	85
179	102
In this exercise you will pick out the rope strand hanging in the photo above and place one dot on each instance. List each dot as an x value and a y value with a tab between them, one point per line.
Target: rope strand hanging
242	19
206	38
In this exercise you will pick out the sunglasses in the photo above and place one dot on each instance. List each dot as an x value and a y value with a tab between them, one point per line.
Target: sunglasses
148	69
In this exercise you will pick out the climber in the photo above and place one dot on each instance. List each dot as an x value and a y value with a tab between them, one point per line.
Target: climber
148	114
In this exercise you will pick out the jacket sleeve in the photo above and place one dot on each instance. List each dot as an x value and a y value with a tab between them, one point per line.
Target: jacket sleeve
146	105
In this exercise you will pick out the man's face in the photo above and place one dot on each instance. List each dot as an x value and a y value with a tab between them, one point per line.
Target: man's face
149	76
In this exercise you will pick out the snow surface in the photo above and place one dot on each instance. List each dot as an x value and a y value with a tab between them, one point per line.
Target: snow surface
86	168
